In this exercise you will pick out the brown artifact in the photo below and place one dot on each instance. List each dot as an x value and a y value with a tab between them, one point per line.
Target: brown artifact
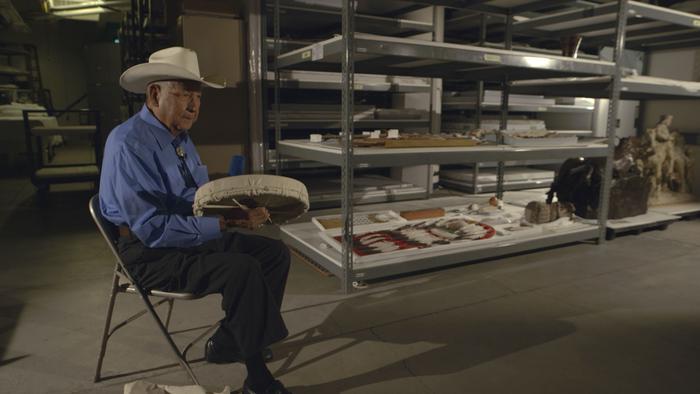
651	170
537	212
423	214
578	182
668	163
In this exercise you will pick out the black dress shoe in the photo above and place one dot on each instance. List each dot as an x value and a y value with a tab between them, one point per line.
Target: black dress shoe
217	354
276	387
267	354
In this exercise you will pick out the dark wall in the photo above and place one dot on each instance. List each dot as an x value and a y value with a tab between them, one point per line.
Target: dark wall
60	44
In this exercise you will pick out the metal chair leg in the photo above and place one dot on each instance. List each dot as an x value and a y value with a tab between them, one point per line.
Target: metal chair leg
108	322
180	359
170	312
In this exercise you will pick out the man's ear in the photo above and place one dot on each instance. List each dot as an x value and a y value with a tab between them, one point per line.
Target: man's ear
154	94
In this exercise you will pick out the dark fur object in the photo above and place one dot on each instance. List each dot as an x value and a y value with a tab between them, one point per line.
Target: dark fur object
579	181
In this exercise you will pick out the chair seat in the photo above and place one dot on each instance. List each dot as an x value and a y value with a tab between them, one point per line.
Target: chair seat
44	131
164	294
77	171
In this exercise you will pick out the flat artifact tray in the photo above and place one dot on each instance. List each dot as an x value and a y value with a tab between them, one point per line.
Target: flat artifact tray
391	240
361	220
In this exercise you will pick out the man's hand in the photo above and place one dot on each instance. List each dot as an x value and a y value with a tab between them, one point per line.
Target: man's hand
256	218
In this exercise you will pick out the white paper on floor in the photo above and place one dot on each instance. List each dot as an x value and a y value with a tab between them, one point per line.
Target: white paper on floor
142	387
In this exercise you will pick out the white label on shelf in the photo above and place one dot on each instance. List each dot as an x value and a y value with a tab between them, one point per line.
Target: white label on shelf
696	22
359	86
361	50
542	109
306	54
316	52
492	58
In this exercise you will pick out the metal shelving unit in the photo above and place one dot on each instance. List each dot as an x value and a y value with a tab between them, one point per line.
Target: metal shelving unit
374	54
477	100
300	21
27	74
649	27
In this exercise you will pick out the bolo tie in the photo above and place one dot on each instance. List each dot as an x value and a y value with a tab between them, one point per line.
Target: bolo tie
184	169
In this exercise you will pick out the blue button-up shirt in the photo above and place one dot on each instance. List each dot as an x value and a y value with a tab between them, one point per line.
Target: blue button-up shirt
142	184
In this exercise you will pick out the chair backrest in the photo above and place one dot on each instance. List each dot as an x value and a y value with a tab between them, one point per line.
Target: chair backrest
109	232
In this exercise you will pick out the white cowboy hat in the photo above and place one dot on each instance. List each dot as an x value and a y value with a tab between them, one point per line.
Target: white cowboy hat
167	64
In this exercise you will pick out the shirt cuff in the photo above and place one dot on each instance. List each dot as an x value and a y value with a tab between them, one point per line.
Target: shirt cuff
209	227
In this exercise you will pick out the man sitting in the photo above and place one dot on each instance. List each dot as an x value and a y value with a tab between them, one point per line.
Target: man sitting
150	174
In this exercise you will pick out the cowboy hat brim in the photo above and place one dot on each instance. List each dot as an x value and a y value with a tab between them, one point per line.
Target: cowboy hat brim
136	78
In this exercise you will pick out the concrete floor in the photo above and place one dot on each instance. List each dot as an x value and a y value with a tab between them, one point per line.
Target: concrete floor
619	318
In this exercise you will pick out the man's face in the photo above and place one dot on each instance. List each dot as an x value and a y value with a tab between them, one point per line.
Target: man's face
178	104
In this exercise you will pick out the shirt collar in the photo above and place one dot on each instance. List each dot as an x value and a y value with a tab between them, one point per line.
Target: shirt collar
161	132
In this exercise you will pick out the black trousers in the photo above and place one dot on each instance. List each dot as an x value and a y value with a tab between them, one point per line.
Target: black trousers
249	271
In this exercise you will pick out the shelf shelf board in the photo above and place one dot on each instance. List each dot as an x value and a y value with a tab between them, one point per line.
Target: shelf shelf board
513	163
558	108
332	81
679	209
379	157
332	200
314	18
633	88
641	221
13	52
401	56
305	238
315	124
13	72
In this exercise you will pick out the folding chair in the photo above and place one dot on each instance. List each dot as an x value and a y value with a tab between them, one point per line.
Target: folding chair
110	234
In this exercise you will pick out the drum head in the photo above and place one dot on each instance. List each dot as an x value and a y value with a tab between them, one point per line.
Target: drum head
285	198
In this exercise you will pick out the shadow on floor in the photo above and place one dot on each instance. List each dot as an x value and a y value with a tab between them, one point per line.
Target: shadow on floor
10	316
455	342
32	236
61	212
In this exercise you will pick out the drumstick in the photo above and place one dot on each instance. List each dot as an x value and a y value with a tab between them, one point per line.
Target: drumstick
246	209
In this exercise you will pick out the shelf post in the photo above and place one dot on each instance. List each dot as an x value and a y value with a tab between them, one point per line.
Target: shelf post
278	125
480	84
605	187
347	113
479	100
436	83
435	92
505	93
256	76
